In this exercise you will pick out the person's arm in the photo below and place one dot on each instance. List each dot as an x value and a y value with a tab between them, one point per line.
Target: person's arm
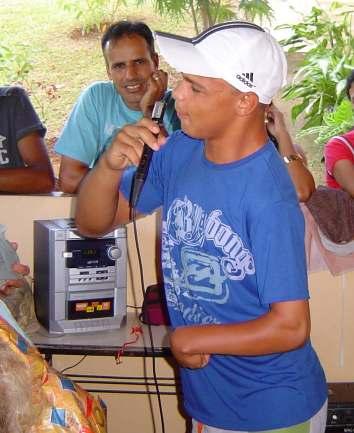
100	206
286	327
71	173
37	175
299	173
23	270
81	138
343	173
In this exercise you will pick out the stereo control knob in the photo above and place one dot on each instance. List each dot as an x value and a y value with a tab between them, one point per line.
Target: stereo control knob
114	253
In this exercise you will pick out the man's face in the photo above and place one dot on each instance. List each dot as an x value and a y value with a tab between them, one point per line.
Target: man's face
129	65
204	106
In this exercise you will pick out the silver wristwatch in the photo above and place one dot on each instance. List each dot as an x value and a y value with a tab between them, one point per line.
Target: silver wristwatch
295	157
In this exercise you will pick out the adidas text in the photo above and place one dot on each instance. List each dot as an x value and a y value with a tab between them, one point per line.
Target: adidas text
245	81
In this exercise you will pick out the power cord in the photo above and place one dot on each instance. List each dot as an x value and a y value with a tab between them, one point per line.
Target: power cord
72	366
153	353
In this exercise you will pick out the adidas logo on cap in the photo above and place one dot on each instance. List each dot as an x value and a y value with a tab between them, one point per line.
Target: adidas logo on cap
246	78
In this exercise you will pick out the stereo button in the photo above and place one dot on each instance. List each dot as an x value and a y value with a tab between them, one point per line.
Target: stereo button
114	253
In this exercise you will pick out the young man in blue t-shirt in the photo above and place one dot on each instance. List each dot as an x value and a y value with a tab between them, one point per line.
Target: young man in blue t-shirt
232	236
107	106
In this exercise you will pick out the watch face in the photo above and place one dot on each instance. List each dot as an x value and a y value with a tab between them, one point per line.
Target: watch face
290	158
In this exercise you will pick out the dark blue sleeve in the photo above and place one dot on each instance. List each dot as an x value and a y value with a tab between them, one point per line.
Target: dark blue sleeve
26	119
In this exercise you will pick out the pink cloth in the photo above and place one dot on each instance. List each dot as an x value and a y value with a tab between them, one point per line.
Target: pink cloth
318	257
335	150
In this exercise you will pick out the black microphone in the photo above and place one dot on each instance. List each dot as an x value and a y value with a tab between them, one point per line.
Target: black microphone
143	167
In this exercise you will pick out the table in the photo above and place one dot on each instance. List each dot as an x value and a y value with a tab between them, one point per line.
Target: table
108	343
105	343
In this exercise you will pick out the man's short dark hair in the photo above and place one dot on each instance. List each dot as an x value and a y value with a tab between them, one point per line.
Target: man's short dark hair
125	28
350	81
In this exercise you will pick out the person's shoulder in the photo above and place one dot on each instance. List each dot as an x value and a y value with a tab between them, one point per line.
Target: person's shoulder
349	136
268	158
96	95
339	144
337	139
331	141
101	85
99	89
18	98
270	190
270	179
15	91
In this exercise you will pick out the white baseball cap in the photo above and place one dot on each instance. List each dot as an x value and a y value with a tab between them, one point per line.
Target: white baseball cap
241	53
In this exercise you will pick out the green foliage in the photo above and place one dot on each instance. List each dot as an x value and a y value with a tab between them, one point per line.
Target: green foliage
174	8
15	68
331	29
205	13
92	15
15	64
220	12
256	10
318	85
334	123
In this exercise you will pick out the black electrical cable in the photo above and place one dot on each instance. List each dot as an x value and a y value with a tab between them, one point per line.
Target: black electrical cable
72	366
133	218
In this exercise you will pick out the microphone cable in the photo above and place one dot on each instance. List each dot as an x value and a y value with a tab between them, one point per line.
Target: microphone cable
137	185
153	353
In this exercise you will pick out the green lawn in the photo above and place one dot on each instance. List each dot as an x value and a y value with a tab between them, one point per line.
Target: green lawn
64	62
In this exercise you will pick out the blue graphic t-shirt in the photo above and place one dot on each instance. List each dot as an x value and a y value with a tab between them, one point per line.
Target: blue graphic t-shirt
95	120
233	243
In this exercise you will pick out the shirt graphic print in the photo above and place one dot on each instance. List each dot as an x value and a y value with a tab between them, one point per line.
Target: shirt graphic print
197	273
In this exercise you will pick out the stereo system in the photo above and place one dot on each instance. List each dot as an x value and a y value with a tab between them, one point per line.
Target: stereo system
79	283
